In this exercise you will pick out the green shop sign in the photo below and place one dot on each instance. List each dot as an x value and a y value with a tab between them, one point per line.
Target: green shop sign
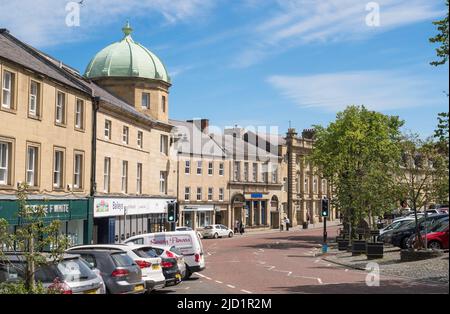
55	209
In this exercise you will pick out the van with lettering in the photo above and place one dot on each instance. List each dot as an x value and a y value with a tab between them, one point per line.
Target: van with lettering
187	242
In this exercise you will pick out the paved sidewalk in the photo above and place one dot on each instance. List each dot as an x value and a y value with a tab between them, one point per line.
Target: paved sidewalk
294	229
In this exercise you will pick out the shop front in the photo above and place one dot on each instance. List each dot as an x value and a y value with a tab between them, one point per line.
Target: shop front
257	212
74	215
198	216
116	219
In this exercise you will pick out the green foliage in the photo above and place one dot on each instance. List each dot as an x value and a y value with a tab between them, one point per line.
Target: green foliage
35	238
20	288
442	39
441	134
358	154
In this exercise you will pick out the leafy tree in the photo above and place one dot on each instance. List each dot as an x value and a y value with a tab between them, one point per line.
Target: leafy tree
424	170
36	240
442	39
358	154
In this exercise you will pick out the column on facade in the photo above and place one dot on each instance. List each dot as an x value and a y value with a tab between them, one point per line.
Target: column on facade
250	213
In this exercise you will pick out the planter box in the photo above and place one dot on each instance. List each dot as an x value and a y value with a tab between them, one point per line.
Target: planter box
342	245
359	247
375	250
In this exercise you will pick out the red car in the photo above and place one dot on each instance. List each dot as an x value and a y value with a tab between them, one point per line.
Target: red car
438	239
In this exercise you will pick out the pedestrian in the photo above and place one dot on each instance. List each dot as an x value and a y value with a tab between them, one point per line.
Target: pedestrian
288	222
241	229
308	218
236	226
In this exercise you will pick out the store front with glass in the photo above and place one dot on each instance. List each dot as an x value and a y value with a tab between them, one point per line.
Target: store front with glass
117	219
73	214
197	216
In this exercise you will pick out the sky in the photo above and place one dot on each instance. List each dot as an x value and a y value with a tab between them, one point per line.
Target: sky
261	62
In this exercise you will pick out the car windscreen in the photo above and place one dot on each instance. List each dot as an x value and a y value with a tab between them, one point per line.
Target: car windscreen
146	252
74	270
122	259
208	227
440	225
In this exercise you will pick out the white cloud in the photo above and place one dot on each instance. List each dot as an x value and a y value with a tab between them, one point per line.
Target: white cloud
299	22
378	90
42	22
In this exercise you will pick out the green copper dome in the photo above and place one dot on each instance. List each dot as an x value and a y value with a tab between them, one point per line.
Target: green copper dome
127	58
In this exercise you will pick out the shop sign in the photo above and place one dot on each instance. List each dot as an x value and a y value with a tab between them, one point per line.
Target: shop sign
107	207
198	208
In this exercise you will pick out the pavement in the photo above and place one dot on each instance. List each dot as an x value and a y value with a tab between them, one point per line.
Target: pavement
287	262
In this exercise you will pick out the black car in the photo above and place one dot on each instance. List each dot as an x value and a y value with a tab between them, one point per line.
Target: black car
400	237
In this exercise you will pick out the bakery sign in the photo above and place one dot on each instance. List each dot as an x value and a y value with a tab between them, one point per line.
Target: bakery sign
108	207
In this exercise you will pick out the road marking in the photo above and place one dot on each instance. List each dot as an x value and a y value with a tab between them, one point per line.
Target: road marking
316	261
187	288
328	265
261	262
208	278
290	273
346	270
209	254
231	286
219	281
261	250
245	291
271	267
203	276
320	281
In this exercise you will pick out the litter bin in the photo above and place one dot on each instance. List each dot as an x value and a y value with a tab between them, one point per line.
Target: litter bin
305	225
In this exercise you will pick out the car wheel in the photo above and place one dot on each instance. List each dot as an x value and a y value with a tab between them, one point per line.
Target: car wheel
188	274
404	243
230	235
434	245
216	235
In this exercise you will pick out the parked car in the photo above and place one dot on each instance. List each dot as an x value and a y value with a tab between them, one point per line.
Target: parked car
439	238
71	275
410	215
386	233
150	264
217	231
120	273
188	229
400	237
435	227
187	242
173	265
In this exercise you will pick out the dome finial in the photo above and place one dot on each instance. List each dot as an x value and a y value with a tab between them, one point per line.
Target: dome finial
127	30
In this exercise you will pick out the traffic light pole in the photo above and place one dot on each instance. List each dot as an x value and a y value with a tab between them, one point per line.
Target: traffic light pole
325	246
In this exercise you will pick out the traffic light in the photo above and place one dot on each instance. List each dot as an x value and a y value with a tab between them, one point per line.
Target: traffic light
325	208
172	212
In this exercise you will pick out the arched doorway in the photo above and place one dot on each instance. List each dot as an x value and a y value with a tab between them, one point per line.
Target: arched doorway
237	209
274	213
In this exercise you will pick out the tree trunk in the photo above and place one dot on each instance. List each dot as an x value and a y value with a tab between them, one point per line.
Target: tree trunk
30	283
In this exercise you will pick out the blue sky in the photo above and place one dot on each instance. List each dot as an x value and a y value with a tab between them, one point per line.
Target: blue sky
262	62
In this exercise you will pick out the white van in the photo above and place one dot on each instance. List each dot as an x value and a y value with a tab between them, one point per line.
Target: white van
187	242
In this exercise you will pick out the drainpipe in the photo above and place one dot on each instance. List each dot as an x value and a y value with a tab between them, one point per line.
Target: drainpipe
90	222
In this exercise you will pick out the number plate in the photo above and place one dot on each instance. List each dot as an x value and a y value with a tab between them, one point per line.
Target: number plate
139	288
178	276
155	267
91	291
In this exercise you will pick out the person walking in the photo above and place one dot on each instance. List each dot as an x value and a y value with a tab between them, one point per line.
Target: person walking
236	226
241	228
288	222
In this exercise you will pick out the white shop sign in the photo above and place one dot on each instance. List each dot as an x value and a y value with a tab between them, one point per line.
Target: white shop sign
198	208
107	207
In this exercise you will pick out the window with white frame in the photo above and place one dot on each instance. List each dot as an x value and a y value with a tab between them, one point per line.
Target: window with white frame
108	129
199	194
145	101
246	171
58	169
210	168
164	142
106	174
125	134
5	162
60	108
237	171
140	139
8	90
33	108
210	194
306	186
221	169
32	165
79	114
163	182
187	167
78	171
124	185
187	193
255	172
221	194
199	167
139	179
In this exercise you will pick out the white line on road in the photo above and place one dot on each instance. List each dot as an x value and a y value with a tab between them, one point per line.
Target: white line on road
219	281
261	250
245	291
320	281
187	288
271	267
231	286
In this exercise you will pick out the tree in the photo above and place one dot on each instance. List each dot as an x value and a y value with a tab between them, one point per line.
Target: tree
423	173
442	39
358	154
36	240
